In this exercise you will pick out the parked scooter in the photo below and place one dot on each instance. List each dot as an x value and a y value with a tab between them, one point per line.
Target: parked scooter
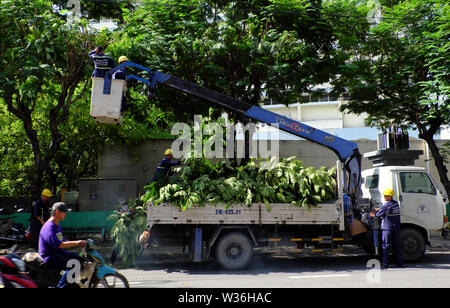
93	274
13	233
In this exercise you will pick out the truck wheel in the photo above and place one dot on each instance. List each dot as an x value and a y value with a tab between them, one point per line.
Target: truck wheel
234	251
412	244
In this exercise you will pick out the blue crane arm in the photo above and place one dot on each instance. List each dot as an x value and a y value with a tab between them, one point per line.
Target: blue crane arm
347	151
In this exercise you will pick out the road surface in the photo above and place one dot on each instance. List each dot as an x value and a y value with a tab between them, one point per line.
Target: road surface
347	270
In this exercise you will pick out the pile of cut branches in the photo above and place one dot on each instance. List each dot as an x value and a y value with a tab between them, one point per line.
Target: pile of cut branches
198	182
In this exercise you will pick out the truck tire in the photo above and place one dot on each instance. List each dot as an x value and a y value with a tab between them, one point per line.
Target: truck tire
412	244
234	251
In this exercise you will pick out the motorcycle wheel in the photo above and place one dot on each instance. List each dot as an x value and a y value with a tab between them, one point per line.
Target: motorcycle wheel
116	280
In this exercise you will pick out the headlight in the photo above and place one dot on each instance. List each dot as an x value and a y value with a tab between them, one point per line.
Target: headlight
19	263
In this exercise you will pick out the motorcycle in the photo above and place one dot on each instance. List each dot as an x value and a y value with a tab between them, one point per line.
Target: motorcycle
12	272
94	272
16	234
12	233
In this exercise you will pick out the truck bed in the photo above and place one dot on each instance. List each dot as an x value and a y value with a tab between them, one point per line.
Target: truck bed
280	213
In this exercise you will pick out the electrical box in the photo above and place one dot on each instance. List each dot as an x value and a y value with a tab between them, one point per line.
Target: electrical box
105	108
395	141
105	194
71	197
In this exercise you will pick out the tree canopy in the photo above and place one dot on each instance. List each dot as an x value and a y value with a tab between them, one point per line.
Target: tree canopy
398	70
395	70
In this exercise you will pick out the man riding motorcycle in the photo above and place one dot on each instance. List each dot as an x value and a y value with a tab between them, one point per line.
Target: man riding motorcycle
52	244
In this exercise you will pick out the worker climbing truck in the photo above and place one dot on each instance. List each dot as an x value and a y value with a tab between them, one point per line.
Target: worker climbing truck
234	233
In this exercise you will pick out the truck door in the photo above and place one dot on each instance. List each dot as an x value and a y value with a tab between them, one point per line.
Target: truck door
419	199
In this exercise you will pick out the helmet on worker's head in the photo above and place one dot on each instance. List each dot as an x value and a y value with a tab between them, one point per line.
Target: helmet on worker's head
122	59
389	192
168	152
46	192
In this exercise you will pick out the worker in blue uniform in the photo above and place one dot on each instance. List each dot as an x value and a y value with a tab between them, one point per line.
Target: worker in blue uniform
163	168
121	74
390	228
102	62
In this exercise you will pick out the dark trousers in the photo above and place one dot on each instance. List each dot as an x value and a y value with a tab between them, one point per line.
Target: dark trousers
59	262
35	229
391	238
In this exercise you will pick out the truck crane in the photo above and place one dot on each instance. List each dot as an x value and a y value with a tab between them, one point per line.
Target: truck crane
346	151
231	239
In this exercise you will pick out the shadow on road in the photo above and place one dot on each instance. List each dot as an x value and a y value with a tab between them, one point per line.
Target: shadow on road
283	263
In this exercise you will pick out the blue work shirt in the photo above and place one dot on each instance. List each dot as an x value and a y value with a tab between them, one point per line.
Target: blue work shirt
102	63
121	73
390	213
41	208
163	168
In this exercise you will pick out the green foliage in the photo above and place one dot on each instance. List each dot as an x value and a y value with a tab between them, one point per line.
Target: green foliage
398	70
242	49
127	226
399	66
288	181
95	9
47	137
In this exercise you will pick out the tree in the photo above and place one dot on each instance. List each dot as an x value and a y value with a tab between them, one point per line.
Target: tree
93	9
397	71
245	49
16	159
43	73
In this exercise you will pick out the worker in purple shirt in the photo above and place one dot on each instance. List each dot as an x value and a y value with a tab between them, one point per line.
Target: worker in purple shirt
389	212
102	62
52	243
163	168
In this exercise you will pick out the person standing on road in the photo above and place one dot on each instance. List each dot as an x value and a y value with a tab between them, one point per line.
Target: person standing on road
390	228
39	215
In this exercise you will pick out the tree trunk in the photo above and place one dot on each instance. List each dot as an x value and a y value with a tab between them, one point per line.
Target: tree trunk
438	162
36	184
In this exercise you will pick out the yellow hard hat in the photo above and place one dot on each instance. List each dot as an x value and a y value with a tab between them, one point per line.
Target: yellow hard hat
123	59
46	192
389	192
168	151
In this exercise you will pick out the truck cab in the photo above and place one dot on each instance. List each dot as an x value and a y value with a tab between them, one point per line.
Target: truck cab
422	205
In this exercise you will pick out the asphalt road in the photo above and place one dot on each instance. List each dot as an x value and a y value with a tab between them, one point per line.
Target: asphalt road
350	269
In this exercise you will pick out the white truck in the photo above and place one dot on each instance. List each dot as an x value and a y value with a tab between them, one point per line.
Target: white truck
423	211
231	235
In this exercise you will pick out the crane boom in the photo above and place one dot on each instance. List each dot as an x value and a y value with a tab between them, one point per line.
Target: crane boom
347	151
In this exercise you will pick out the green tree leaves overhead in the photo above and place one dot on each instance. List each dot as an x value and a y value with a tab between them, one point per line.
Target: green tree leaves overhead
42	64
246	49
397	71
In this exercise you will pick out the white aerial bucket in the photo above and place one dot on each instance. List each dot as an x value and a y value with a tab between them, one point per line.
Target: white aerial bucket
106	108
